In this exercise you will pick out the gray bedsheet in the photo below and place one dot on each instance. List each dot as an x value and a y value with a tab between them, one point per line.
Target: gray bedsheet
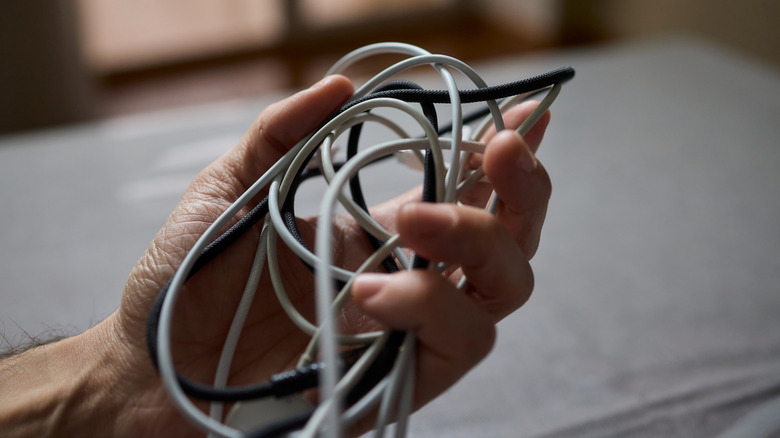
657	306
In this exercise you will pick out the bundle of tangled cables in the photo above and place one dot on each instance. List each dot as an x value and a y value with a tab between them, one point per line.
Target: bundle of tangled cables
355	374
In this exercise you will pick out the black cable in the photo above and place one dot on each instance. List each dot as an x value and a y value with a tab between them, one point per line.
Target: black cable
482	112
496	92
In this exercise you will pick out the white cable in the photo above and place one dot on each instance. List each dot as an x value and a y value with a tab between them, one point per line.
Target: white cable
164	355
274	210
369	265
368	223
323	250
292	312
395	384
234	332
457	123
364	52
526	126
481	129
324	294
438	61
344	385
406	401
365	405
529	122
523	129
328	169
281	294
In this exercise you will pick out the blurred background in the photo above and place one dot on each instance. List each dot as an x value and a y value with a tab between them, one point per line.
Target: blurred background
69	61
659	263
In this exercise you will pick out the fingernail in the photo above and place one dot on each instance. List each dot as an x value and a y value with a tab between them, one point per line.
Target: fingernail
526	160
367	285
427	219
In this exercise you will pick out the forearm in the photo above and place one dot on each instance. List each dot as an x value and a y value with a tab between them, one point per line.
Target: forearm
61	389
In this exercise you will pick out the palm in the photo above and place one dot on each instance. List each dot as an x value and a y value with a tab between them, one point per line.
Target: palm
213	294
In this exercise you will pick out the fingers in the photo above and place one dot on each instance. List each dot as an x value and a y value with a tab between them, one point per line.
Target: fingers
498	272
454	330
453	333
279	127
523	186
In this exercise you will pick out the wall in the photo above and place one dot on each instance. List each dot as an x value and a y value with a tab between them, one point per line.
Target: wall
750	26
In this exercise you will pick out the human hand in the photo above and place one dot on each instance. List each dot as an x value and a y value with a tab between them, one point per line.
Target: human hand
492	251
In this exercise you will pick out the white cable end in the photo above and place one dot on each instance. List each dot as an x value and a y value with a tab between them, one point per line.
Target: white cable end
248	415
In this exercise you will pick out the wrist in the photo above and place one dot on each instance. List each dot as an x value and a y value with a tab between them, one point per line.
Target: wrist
67	388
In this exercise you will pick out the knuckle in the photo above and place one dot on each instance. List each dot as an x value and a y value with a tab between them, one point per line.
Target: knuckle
545	182
485	234
525	289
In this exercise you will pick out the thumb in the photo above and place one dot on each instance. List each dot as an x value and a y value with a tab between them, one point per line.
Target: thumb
278	128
